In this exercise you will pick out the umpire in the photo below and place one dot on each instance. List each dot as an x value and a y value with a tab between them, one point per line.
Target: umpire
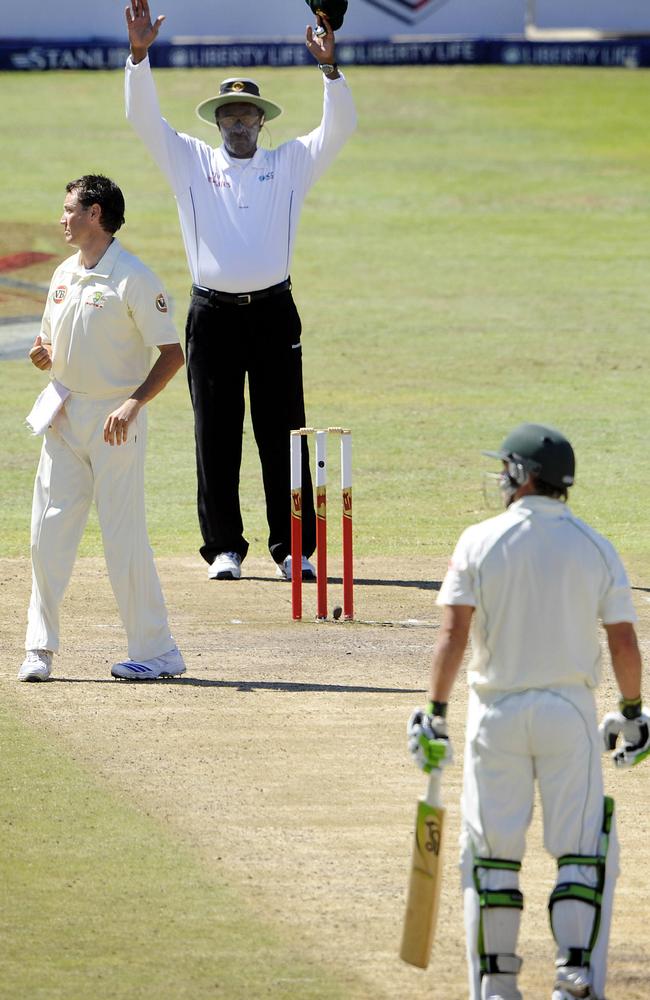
533	584
239	207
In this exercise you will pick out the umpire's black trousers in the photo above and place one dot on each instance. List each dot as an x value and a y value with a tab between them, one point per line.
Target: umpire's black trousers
224	343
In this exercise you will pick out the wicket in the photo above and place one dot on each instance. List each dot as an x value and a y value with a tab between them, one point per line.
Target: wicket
321	519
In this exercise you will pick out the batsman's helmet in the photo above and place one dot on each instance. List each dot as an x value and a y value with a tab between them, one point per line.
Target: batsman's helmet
542	452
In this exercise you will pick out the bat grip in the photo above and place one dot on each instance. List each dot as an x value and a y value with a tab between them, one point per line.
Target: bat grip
432	796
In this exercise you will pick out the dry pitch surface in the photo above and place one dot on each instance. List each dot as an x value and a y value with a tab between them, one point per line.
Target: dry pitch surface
301	726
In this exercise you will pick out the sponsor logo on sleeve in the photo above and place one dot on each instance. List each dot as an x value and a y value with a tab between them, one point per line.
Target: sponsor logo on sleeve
59	294
161	303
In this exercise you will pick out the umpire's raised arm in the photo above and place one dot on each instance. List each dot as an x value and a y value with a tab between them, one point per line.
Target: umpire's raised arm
142	31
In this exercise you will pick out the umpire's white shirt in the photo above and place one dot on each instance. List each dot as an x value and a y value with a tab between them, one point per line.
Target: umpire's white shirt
539	579
102	323
238	217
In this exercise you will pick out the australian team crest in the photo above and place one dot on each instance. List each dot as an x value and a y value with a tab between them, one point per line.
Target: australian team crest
408	11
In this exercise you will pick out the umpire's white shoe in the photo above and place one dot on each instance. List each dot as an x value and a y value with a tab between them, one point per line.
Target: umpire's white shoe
170	664
284	569
226	566
37	665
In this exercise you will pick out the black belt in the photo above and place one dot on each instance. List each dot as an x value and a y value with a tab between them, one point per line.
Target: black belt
241	299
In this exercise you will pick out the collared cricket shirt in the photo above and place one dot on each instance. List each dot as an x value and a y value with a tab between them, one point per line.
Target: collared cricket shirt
102	323
238	218
539	579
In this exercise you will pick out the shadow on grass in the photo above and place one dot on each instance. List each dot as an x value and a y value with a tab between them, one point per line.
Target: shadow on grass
419	584
288	686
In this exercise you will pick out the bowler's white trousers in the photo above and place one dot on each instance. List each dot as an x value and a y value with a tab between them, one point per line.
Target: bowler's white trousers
514	740
75	467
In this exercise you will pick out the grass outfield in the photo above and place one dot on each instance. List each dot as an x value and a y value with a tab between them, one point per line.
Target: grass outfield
476	257
119	905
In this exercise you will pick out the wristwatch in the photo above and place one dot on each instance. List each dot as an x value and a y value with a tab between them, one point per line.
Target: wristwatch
327	68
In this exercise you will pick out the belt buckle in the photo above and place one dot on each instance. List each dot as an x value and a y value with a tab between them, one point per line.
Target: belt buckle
244	299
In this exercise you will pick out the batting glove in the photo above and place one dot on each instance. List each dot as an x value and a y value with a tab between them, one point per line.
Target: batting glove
632	722
428	739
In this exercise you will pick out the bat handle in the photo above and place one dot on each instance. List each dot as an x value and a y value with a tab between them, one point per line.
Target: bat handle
432	796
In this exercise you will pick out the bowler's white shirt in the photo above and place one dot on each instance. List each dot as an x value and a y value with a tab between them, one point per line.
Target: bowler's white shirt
238	218
539	579
103	322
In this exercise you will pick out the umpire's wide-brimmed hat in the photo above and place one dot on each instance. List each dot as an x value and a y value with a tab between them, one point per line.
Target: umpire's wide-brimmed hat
237	90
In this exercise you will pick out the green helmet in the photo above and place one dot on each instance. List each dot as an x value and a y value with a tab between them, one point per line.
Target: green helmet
532	449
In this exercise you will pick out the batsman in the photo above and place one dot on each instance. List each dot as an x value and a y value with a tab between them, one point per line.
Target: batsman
532	584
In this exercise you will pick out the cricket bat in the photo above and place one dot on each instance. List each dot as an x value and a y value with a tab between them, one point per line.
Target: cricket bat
426	873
